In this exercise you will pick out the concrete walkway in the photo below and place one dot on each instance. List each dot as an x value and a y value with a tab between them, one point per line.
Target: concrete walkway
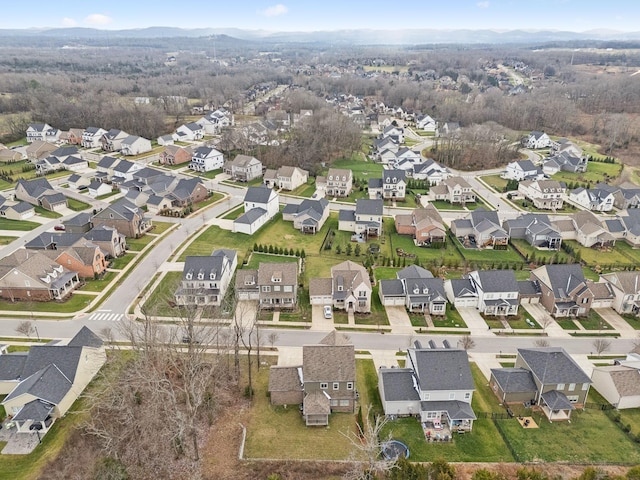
399	320
475	322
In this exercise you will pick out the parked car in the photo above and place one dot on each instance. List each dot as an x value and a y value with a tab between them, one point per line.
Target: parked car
327	311
59	228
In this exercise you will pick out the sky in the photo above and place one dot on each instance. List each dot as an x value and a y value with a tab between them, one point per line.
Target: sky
311	15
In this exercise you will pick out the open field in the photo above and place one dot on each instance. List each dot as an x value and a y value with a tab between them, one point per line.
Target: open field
596	172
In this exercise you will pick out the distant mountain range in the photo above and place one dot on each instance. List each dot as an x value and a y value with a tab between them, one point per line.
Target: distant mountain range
356	37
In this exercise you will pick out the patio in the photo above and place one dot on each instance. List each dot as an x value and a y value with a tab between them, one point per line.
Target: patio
18	443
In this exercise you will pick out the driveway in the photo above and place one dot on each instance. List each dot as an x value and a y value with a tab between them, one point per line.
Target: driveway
474	321
318	322
399	320
618	323
545	320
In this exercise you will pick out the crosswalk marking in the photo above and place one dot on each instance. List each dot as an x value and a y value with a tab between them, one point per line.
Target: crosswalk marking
106	316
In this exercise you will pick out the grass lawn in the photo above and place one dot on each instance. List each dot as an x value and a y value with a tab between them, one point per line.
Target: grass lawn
367	385
629	416
256	258
100	284
157	303
438	256
452	319
541	256
592	257
442	205
208	201
279	432
305	190
211	174
160	227
385	273
417	320
73	304
632	320
567	323
378	315
46	213
121	262
77	205
137	244
596	172
359	167
496	257
527	206
235	213
594	321
6	240
107	195
496	182
581	440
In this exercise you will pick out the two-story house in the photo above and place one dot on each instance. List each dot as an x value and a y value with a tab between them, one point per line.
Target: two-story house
454	190
190	132
175	155
261	204
522	170
431	171
426	123
626	290
365	220
596	199
436	384
135	145
91	137
537	140
205	279
544	194
339	182
308	216
565	292
42	132
425	225
112	140
497	291
392	186
324	383
206	159
416	289
286	177
125	217
243	168
547	377
480	229
349	288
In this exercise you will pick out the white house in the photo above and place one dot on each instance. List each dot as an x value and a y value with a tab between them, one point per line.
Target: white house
97	189
426	123
91	137
135	145
522	170
537	140
497	291
261	204
206	159
190	132
597	199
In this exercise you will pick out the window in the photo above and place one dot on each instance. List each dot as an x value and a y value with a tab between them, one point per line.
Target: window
572	398
432	414
467	396
572	387
266	288
288	288
560	386
585	300
349	384
276	288
585	386
452	395
427	396
336	386
344	403
324	386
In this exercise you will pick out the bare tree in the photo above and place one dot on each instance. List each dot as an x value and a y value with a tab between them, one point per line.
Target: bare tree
107	336
466	342
601	345
272	338
368	443
25	328
541	343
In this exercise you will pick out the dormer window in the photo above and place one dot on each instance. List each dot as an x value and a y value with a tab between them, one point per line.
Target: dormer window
201	276
330	177
425	290
212	276
416	290
189	276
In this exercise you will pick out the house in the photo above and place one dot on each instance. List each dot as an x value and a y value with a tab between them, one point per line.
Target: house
91	137
324	383
79	223
349	288
619	383
590	231
79	182
436	384
274	285
339	182
431	171
135	145
536	140
426	123
205	279
454	190
480	228
566	162
522	170
18	211
626	289
125	217
261	204
425	225
63	158
630	220
285	177
214	122
536	228
123	171
110	241
625	196
97	189
42	132
544	194
10	155
461	293
497	291
596	199
105	168
166	140
83	257
42	384
392	186
112	140
448	129
40	192
72	137
206	159
243	168
547	377
420	291
39	149
308	216
175	155
394	132
565	292
365	220
28	275
190	132
385	144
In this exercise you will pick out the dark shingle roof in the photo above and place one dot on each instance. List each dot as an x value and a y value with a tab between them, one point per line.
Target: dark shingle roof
414	271
391	288
398	384
456	409
86	338
514	380
366	206
48	383
66	359
557	400
443	369
552	365
11	365
498	280
258	194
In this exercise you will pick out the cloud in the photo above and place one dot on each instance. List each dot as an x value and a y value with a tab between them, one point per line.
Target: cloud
483	4
98	19
275	10
69	22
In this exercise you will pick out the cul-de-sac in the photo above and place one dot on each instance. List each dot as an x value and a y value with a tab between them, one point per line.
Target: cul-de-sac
382	253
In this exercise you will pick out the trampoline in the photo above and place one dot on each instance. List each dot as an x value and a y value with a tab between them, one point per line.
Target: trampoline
394	449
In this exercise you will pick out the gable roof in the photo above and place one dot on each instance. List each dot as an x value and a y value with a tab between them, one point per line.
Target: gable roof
49	384
514	380
399	384
498	280
260	194
86	338
442	369
552	365
328	363
285	379
365	206
625	379
561	279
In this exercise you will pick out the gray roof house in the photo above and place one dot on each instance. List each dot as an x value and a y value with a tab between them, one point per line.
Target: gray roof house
536	229
498	291
416	289
365	221
308	216
547	377
437	384
480	229
205	279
